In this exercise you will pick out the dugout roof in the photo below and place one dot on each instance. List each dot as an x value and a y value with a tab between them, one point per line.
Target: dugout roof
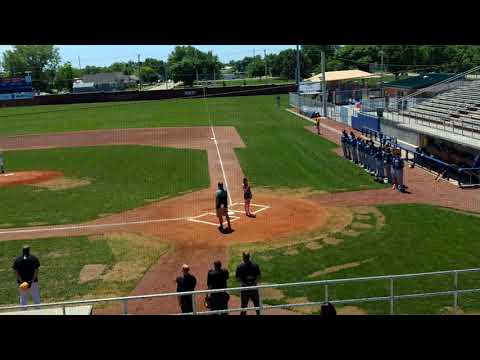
417	82
342	75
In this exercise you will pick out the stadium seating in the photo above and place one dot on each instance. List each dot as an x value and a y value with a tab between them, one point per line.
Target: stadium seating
456	109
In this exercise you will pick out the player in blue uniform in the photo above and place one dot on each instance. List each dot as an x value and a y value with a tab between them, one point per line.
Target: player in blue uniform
397	168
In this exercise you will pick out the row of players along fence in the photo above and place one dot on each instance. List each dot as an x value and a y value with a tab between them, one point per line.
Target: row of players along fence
393	294
462	176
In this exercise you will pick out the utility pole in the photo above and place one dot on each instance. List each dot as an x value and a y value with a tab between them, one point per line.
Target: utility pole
79	64
166	78
297	72
265	60
324	86
381	75
139	78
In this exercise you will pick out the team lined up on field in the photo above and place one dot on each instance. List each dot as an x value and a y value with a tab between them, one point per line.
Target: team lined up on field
383	162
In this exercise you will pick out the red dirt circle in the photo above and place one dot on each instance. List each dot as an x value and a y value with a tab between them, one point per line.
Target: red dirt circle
27	177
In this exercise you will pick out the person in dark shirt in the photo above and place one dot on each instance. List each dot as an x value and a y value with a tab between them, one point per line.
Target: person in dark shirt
248	274
26	270
221	205
186	282
217	279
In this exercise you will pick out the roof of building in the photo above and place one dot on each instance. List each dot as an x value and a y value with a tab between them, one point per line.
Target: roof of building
418	82
83	85
342	75
105	78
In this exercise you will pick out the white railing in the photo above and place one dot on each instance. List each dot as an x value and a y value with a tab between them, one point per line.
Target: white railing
391	297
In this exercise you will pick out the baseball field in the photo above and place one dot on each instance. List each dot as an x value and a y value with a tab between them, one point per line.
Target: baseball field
127	196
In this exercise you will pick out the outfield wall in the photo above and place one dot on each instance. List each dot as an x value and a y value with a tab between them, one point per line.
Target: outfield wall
151	95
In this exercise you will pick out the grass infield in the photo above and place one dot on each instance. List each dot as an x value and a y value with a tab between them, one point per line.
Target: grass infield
120	178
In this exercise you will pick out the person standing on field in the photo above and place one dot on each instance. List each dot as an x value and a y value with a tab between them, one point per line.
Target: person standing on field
247	196
26	270
397	166
344	143
217	279
2	163
317	124
186	282
221	205
248	274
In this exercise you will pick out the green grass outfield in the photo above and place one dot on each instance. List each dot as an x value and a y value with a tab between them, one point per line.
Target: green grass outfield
279	153
415	238
62	260
121	178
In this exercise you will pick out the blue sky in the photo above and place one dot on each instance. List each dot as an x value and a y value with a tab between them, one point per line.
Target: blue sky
101	55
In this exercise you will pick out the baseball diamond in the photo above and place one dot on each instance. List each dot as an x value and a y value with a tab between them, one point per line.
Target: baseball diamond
128	192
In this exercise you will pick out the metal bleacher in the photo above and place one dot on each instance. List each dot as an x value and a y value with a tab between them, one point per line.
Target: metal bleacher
456	109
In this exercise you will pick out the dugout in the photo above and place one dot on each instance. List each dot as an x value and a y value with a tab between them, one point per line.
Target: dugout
345	85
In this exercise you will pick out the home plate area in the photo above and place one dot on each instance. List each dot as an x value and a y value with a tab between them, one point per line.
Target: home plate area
235	211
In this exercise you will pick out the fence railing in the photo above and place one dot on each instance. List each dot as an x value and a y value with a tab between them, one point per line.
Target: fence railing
389	280
464	176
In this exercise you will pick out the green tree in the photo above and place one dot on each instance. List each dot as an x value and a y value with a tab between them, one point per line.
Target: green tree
286	62
64	79
185	62
256	67
147	74
40	60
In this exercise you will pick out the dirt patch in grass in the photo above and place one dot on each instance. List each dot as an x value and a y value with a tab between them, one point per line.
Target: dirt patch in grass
303	309
272	294
360	226
362	217
57	254
365	210
125	271
91	272
332	241
313	245
351	310
336	268
349	233
291	252
62	183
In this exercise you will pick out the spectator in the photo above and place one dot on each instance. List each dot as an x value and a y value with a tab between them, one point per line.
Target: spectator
186	282
217	279
26	269
248	274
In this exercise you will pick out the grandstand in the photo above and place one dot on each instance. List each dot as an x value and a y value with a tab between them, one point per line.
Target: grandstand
457	109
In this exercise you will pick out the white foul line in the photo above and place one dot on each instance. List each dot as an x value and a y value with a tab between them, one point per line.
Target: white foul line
76	227
221	164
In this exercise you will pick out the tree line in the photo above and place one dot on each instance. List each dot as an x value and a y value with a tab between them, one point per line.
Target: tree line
187	63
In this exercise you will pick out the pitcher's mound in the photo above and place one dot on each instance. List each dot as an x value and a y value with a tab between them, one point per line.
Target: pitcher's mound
27	177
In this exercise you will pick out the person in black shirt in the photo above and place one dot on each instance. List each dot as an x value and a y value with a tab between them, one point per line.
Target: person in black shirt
247	274
26	269
221	205
217	279
186	282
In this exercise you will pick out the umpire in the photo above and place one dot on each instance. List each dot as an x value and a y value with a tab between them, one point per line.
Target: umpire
217	279
248	274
